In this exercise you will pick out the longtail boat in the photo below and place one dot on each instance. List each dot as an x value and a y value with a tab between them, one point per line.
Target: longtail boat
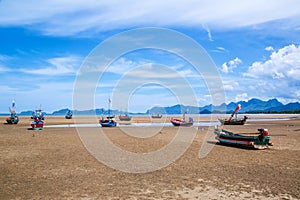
234	121
156	116
260	141
13	119
182	122
125	117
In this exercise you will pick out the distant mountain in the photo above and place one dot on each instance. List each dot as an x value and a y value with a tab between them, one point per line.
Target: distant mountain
176	109
26	113
287	107
254	105
251	106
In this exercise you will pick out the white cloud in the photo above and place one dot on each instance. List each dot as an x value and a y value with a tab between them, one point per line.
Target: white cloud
279	76
283	64
229	66
220	50
58	66
269	48
68	17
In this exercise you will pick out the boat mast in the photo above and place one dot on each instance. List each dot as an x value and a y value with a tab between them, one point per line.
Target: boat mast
109	101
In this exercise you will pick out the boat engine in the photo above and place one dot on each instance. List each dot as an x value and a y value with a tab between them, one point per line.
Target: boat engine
263	131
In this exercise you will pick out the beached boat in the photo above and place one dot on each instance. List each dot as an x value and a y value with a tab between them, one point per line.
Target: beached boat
108	122
234	121
182	122
13	118
69	114
37	123
125	117
260	141
156	116
38	113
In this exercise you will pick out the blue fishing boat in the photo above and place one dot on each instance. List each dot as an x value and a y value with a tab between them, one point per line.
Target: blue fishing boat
110	120
69	114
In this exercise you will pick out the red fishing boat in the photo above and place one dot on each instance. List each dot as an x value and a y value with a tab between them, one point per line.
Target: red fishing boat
37	123
182	122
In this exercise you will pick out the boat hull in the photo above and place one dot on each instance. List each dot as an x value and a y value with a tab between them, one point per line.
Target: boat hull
37	125
108	124
229	138
10	120
234	121
156	116
178	122
125	118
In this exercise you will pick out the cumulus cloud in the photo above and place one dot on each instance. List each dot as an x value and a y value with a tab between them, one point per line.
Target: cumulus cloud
279	76
54	17
282	64
229	66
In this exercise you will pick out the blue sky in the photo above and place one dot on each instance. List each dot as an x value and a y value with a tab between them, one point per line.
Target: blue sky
254	44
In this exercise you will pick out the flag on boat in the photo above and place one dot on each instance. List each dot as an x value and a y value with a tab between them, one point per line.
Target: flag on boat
13	104
237	108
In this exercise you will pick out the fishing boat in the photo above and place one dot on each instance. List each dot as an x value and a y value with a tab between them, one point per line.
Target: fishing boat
260	140
110	120
182	122
156	116
37	123
125	117
13	119
69	114
38	113
234	120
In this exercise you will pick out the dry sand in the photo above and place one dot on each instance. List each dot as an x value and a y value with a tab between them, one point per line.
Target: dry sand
54	164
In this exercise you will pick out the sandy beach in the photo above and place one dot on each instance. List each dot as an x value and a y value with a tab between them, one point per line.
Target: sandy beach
54	164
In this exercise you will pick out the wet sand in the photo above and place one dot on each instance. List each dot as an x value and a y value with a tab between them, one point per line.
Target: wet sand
54	164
